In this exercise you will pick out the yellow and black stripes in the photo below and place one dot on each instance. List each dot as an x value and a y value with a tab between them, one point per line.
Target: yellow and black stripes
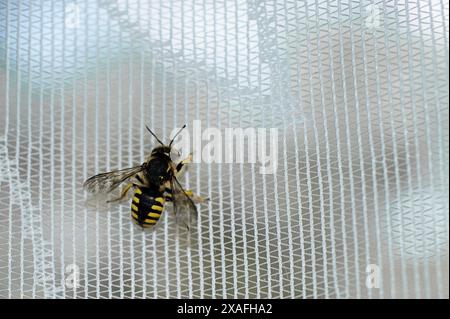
147	206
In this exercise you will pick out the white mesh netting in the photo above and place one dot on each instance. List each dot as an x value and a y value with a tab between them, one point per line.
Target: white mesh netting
357	89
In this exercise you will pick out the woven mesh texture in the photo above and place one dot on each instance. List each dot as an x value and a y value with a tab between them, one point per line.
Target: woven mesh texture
358	91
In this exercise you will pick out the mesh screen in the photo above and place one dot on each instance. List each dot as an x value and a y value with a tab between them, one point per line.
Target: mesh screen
358	90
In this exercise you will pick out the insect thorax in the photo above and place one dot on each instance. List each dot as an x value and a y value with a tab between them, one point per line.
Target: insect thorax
158	170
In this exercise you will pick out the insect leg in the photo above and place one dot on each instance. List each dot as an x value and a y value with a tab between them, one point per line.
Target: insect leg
123	194
179	168
168	194
195	198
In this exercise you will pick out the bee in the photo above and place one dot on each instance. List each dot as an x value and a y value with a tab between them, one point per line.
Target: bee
154	183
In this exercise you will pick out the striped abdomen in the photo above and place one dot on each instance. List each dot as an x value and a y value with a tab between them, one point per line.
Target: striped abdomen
146	206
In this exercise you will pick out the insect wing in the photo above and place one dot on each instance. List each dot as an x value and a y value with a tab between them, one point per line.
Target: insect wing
103	202
106	182
183	206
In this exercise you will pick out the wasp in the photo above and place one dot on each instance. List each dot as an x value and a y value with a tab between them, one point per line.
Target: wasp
154	183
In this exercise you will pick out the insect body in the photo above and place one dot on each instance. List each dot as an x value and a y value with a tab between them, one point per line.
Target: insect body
155	183
146	206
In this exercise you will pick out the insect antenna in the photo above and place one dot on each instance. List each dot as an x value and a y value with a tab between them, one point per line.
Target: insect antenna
173	139
148	129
